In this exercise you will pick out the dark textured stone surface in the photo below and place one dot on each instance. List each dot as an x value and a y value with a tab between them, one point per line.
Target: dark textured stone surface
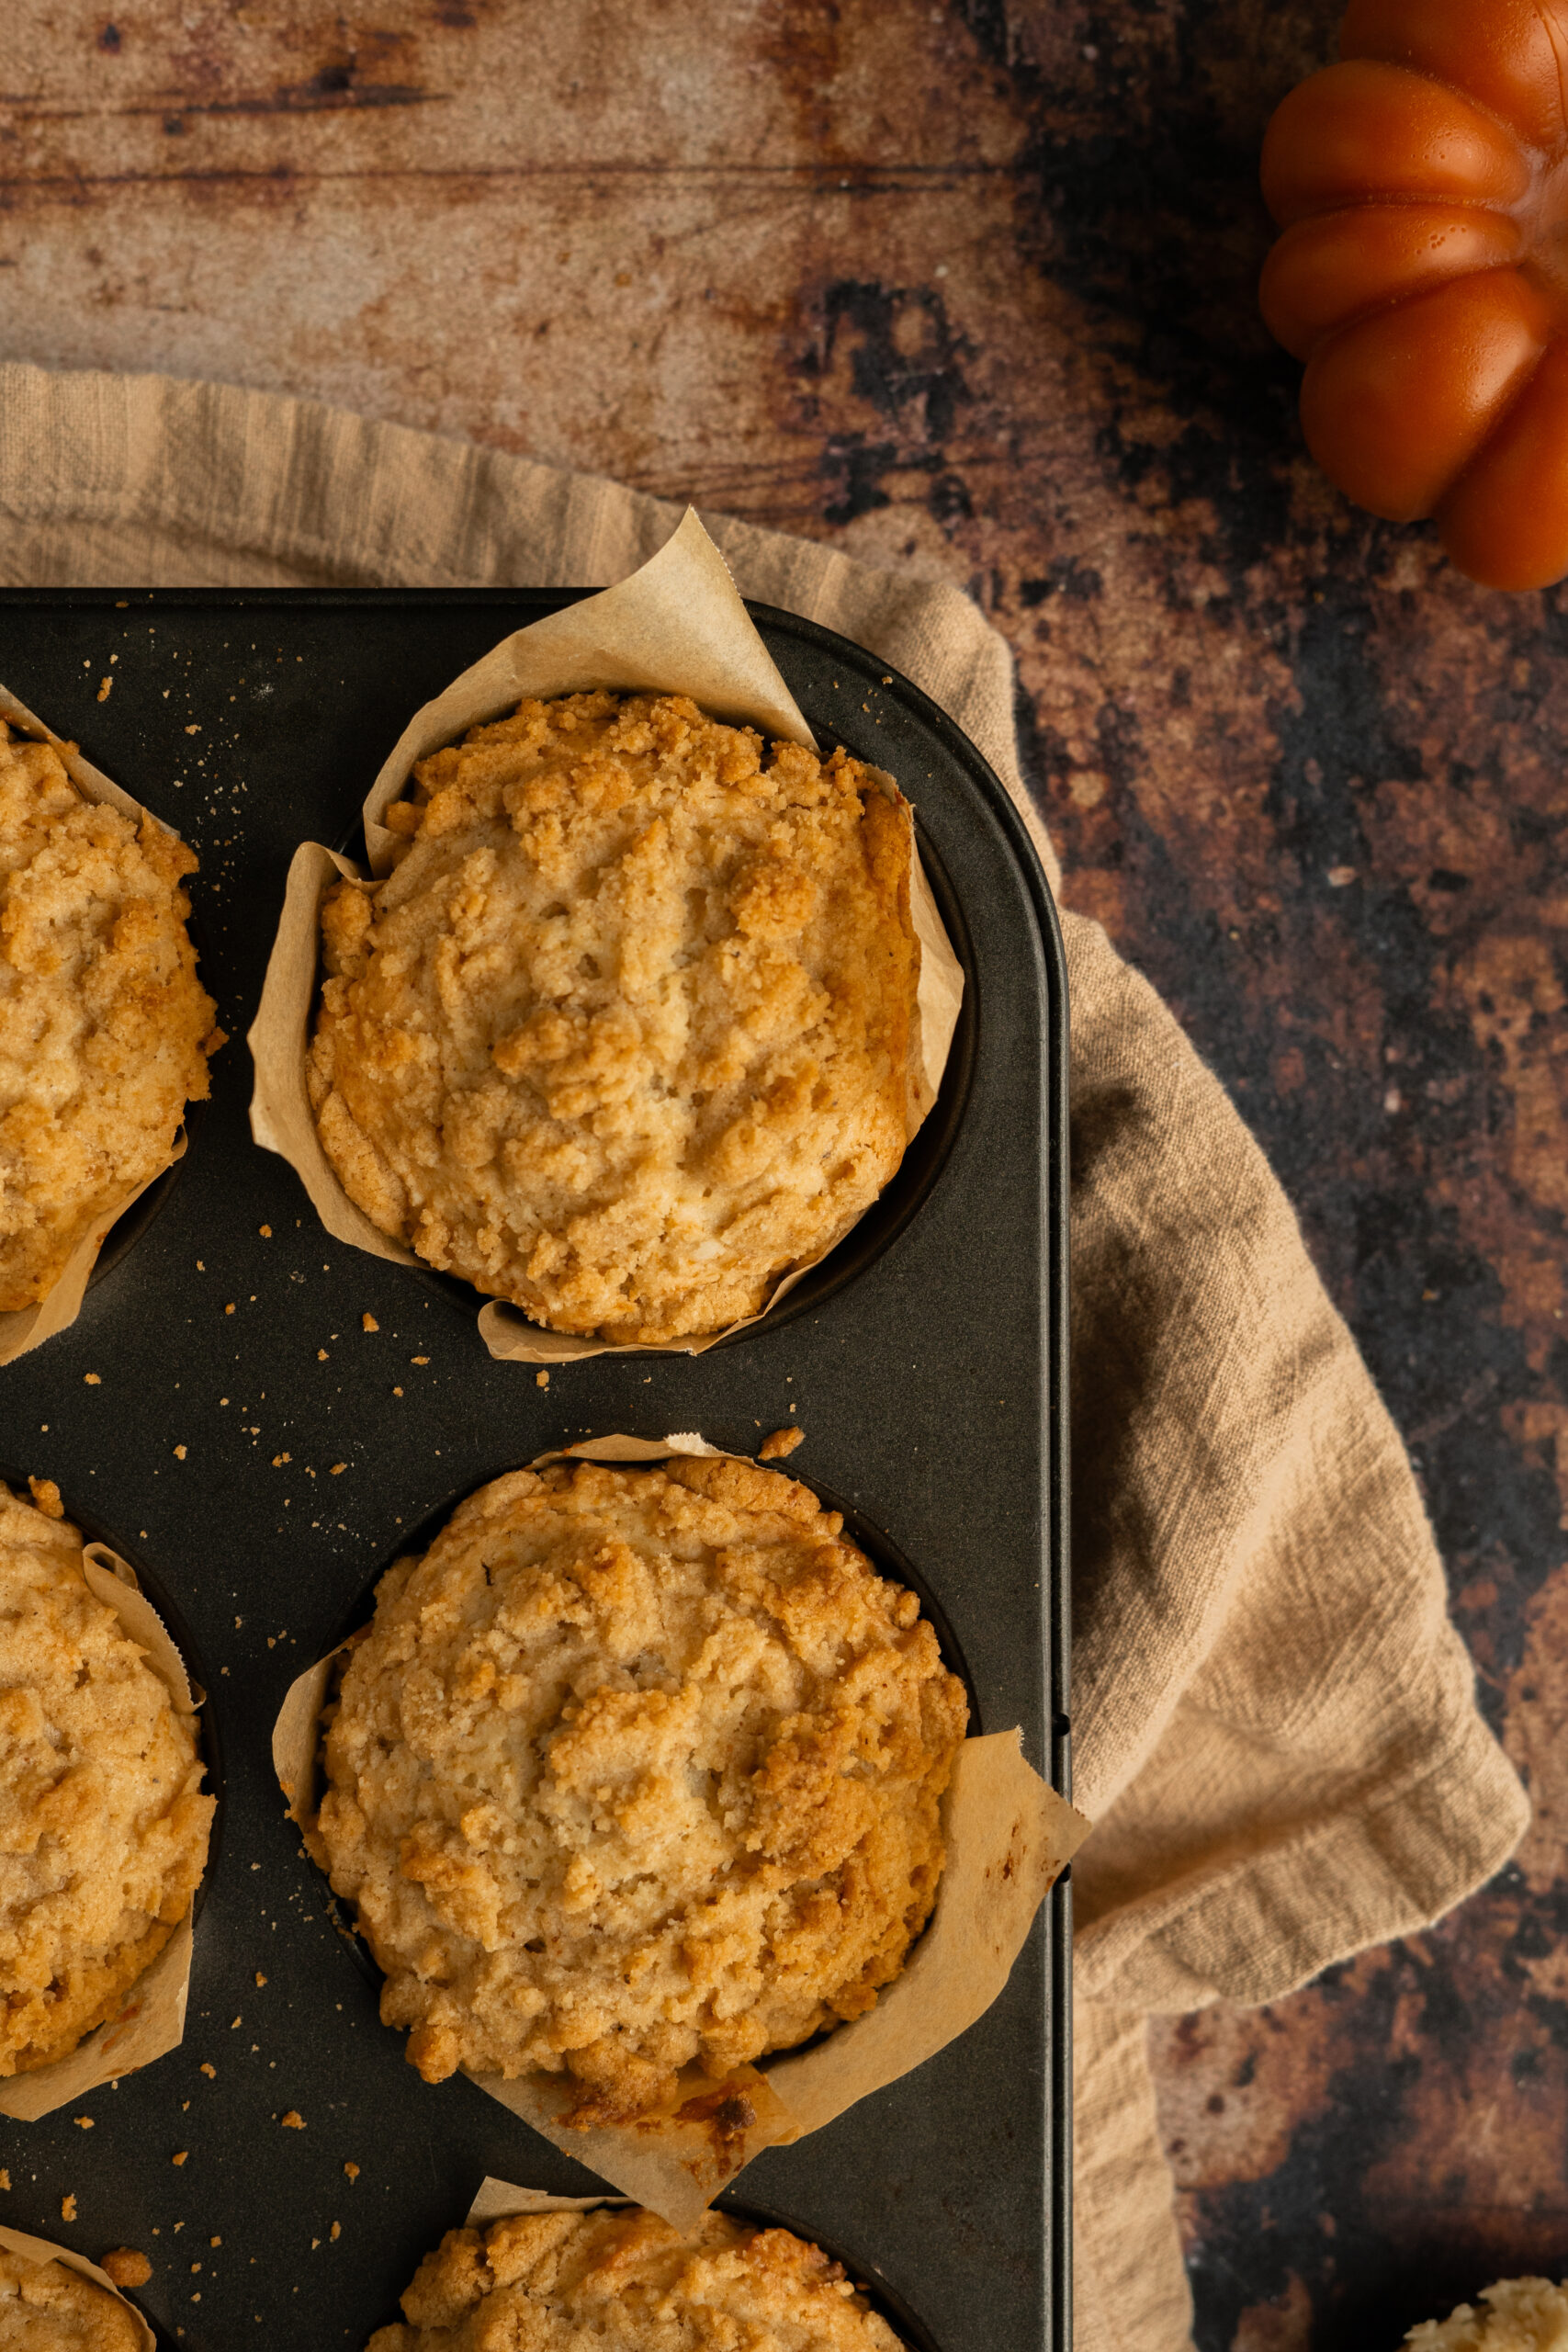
971	288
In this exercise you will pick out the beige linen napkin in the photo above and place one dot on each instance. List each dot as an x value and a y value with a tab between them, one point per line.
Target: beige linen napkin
1275	1730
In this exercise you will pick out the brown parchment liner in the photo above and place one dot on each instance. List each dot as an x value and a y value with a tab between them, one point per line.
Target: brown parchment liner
40	2250
29	1326
150	2020
1009	1838
678	626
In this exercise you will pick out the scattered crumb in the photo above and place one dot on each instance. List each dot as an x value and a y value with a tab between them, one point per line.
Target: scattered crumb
368	1323
181	2158
541	1380
194	730
397	1392
5	2179
210	2071
294	2120
214	2241
179	1454
419	1359
279	1459
336	2232
782	1441
45	1494
260	1978
230	1309
321	1355
83	2123
104	687
126	2267
338	1469
93	1379
68	2208
265	1232
352	2169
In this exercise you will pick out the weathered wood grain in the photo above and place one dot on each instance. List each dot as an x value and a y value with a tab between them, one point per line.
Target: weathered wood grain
970	289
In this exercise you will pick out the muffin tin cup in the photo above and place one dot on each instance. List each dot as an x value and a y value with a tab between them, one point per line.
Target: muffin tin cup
24	1328
1008	1837
40	2250
151	2019
676	627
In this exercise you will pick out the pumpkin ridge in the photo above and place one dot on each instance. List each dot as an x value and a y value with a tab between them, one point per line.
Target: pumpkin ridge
1499	423
1549	25
1392	303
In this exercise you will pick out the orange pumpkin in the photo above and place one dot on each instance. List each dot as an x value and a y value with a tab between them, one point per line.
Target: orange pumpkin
1421	185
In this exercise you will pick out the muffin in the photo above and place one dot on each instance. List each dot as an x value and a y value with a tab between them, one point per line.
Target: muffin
627	2280
44	2307
637	1770
626	1035
103	1026
1521	2315
103	1824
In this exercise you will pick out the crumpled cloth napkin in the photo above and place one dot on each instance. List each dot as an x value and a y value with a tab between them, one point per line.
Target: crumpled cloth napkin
1275	1724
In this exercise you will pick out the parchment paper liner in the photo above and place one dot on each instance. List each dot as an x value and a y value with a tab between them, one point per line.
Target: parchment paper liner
152	2017
40	2250
29	1327
678	626
1008	1839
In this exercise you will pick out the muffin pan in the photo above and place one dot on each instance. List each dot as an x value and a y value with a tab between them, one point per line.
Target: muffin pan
925	1359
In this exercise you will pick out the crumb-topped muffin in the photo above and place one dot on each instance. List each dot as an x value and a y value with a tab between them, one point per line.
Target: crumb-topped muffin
103	1824
44	2307
1520	2315
626	1035
559	2282
636	1769
104	1026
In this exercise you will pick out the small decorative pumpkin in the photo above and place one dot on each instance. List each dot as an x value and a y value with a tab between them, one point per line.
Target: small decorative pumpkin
1421	185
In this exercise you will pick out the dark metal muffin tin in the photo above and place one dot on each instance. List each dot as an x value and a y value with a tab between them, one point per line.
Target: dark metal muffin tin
925	1359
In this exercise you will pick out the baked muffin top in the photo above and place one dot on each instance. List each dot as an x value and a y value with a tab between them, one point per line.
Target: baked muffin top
102	1021
628	2280
46	2308
1515	2315
626	1035
636	1769
103	1824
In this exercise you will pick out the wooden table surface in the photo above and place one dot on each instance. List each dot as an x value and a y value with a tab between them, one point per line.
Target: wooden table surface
969	287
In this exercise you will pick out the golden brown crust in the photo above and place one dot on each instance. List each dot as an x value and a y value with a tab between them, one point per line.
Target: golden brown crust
1517	2315
102	1018
638	1768
102	1826
627	1034
556	2282
44	2307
